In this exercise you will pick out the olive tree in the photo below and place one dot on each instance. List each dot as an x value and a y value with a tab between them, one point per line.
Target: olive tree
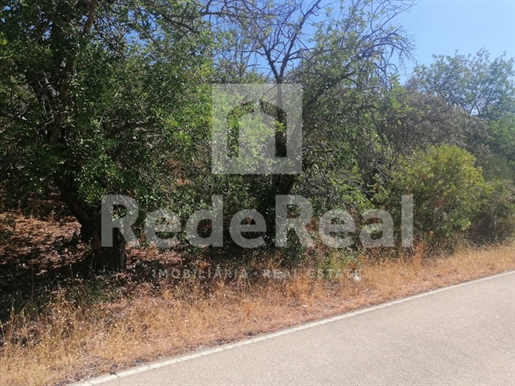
98	97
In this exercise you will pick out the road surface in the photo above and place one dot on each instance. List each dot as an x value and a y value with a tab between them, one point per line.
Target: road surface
460	335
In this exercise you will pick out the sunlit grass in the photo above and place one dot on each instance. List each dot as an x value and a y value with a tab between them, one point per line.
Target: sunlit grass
69	340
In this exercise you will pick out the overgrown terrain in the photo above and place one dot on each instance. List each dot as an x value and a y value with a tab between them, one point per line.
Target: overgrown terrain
122	99
64	325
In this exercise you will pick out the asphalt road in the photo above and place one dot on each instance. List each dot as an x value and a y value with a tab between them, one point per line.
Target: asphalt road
461	335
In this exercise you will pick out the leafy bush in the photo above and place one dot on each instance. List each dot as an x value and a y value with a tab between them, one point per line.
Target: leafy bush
449	191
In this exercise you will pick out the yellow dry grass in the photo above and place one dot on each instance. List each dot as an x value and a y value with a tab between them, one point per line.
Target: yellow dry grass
70	341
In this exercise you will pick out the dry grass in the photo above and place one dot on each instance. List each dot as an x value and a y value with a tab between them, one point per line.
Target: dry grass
72	339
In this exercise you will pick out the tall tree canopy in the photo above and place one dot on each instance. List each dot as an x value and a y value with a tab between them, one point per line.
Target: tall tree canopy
480	86
96	97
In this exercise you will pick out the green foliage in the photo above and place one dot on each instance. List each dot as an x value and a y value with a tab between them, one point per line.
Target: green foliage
448	190
474	83
495	221
114	98
407	119
502	137
99	98
484	89
103	109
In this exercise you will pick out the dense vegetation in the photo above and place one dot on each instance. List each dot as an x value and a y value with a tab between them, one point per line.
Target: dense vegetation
114	97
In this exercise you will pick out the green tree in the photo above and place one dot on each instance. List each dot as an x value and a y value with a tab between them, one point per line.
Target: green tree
484	89
474	83
97	97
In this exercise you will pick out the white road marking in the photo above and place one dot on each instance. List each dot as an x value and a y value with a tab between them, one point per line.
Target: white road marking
156	365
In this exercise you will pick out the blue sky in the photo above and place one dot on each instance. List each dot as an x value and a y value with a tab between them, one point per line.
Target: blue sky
442	27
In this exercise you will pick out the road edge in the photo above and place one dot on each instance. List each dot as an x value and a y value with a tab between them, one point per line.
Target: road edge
182	358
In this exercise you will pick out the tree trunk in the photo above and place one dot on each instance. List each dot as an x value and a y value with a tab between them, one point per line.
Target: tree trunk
108	258
281	184
103	258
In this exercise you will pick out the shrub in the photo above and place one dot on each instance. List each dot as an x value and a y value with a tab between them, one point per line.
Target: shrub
449	191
